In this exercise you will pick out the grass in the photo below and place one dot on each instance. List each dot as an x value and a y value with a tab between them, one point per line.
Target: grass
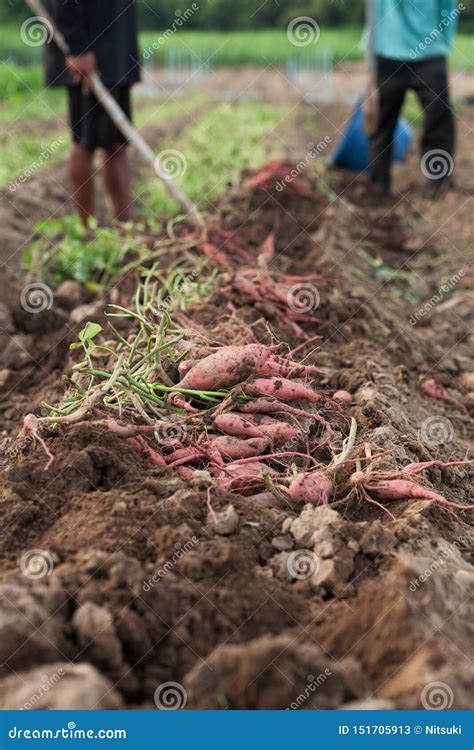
212	160
65	250
235	48
25	152
22	145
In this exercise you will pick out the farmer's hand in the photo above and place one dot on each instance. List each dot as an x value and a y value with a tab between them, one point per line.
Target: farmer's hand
81	68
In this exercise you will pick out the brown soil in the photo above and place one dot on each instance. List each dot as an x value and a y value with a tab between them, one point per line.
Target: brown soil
141	587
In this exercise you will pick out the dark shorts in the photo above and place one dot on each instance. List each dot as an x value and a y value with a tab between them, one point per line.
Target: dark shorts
90	124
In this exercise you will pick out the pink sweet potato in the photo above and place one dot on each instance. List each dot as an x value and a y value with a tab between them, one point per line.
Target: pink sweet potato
283	389
244	479
343	397
279	432
267	251
235	424
225	448
435	390
403	489
313	488
227	367
273	406
245	427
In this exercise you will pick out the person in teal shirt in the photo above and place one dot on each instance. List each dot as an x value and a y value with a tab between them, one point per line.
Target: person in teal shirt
412	40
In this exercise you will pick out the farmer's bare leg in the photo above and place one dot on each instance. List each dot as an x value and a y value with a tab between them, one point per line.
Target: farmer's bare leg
81	172
116	176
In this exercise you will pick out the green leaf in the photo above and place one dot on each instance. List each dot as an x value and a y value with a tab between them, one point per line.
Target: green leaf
86	336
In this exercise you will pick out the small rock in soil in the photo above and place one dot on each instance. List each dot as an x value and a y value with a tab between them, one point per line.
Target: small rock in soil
283	543
85	312
225	522
71	294
313	524
96	635
17	352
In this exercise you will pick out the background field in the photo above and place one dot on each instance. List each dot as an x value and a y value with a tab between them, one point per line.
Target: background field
255	47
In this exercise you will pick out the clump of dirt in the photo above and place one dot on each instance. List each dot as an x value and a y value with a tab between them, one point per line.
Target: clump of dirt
117	566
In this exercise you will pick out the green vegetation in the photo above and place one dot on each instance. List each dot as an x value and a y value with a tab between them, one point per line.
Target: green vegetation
229	48
64	249
225	15
250	47
214	160
27	150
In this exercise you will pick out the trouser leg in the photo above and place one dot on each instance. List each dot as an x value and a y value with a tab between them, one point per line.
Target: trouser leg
438	140
392	83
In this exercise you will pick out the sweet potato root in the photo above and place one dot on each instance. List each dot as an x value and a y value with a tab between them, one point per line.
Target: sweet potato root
435	390
227	367
282	388
403	489
314	488
232	448
236	425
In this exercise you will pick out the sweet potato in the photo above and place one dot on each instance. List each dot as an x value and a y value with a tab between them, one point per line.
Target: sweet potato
283	389
435	390
267	251
224	448
232	365
403	489
344	397
314	488
279	432
235	424
227	367
273	406
185	455
246	479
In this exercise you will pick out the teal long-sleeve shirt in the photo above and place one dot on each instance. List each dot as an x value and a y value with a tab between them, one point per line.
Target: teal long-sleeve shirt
415	29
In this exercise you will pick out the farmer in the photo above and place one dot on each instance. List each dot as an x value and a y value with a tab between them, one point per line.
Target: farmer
102	37
413	39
